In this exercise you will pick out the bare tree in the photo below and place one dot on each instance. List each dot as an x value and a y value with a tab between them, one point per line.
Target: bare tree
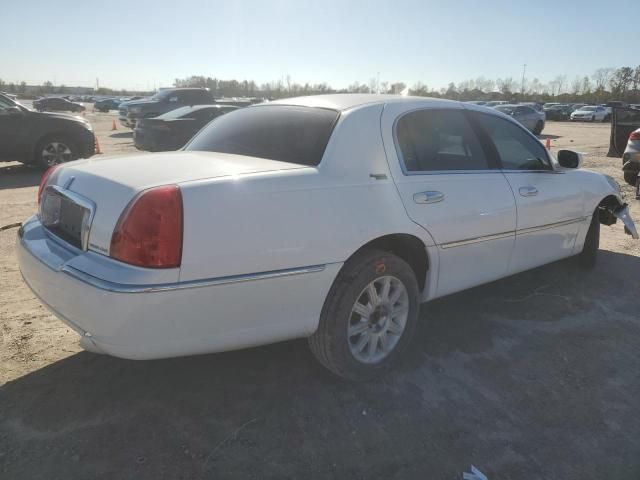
505	85
601	77
621	80
419	89
635	83
576	85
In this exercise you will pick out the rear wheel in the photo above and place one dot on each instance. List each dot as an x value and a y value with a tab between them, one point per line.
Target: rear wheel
631	178
589	254
369	316
593	118
53	150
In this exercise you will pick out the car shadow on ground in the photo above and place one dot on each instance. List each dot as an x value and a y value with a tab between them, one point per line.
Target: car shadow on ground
122	135
503	376
19	175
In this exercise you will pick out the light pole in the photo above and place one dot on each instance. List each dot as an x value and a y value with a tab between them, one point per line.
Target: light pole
524	69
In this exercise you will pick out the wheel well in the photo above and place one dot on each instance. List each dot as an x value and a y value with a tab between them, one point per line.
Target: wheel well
411	249
607	206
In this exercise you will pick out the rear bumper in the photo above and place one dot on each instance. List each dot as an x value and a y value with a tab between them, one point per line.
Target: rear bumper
140	321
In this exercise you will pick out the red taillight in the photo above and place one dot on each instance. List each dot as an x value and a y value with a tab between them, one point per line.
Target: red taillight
635	135
46	176
149	231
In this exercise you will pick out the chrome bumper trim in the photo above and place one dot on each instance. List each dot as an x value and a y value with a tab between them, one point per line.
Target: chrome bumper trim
208	282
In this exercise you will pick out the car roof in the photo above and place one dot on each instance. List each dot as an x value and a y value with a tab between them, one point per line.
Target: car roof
346	101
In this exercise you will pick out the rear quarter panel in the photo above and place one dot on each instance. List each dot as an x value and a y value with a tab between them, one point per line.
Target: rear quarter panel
310	216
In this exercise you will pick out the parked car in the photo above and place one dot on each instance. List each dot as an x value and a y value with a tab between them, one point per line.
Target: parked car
42	139
107	104
559	112
623	123
591	113
172	130
631	158
9	95
527	116
547	106
162	102
538	107
329	217
57	104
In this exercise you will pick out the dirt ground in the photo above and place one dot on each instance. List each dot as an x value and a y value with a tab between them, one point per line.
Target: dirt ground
531	377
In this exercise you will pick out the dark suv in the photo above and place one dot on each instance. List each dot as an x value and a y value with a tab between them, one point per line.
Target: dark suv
43	139
162	102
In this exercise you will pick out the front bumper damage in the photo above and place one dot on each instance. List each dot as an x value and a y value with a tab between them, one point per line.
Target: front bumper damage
629	226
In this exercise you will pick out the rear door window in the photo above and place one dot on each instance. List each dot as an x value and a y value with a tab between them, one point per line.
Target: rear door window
438	140
276	132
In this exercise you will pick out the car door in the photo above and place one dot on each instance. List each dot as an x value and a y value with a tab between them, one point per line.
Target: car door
450	187
549	204
11	128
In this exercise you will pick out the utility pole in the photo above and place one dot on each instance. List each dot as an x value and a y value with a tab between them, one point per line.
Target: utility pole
524	69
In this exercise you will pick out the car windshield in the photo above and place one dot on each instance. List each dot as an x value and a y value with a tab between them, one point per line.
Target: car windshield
588	109
177	113
162	94
277	132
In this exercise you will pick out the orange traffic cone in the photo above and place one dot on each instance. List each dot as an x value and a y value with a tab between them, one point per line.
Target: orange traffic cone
113	126
98	151
548	143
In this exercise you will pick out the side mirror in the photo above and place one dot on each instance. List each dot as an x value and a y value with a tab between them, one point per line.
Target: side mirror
569	159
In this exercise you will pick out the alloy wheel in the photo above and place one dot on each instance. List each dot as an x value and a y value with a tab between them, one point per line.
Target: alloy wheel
54	153
378	319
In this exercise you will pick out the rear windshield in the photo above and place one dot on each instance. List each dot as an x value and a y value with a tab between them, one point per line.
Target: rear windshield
507	110
276	132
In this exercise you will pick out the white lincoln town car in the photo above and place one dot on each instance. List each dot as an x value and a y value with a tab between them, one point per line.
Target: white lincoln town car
329	217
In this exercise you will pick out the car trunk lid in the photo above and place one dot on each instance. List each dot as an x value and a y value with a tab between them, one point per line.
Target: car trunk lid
110	183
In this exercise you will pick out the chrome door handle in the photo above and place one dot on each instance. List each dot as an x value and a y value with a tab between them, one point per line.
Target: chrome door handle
431	196
528	191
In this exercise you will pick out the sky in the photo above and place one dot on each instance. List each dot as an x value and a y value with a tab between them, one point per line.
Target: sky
141	45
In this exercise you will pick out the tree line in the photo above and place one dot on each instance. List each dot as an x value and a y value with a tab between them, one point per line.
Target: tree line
605	84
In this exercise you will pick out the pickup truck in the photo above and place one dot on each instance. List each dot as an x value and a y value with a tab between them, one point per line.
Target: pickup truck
162	102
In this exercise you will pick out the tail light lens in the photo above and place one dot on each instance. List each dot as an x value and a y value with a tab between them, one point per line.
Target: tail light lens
149	231
635	135
45	180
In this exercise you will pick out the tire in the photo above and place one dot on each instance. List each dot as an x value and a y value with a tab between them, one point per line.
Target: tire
631	178
589	254
338	350
54	149
593	118
538	129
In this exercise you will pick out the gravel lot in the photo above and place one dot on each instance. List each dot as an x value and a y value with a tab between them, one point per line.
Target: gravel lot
534	376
